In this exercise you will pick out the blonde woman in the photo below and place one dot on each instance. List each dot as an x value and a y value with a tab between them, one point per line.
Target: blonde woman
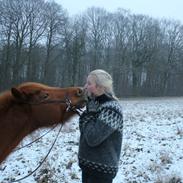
101	127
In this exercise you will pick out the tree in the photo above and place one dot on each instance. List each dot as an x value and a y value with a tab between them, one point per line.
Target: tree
6	21
142	49
172	47
55	19
121	42
36	29
96	19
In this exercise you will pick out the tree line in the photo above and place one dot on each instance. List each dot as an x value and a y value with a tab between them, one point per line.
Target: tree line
40	42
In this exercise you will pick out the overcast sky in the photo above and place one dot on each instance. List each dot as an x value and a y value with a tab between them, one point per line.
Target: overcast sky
170	9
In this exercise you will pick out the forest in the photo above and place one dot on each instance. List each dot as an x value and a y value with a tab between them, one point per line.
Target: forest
41	42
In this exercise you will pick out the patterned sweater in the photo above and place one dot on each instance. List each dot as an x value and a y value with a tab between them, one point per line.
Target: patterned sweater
101	137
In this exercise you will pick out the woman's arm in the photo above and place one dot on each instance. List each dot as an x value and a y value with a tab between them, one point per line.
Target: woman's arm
97	129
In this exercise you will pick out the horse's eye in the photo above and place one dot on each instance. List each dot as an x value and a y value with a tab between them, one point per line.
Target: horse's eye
79	92
45	95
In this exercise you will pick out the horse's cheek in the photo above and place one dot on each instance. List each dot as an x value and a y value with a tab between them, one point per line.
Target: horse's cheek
47	113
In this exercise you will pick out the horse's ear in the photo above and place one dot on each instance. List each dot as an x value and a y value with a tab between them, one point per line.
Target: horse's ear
18	94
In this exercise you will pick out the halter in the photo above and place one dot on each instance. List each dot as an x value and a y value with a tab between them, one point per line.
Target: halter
69	106
72	108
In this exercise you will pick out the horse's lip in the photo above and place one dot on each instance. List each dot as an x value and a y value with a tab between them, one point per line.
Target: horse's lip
81	104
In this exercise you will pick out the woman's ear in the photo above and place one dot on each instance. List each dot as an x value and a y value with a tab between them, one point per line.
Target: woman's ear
100	90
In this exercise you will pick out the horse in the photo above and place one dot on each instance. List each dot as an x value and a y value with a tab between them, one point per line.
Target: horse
30	106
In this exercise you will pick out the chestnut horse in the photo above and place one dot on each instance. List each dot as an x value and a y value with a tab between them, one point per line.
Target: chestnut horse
30	106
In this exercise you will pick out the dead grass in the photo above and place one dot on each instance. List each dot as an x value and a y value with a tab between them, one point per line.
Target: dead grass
179	131
169	179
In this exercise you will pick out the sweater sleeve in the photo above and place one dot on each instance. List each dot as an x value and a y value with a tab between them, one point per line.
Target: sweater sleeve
99	128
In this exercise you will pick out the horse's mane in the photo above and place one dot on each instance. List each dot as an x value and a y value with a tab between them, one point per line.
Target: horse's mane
32	85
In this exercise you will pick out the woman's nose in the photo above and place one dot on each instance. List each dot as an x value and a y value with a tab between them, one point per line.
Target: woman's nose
85	87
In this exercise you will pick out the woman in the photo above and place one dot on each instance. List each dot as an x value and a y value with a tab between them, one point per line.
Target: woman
101	127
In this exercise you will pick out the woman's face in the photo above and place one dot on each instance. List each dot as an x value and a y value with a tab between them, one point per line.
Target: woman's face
91	87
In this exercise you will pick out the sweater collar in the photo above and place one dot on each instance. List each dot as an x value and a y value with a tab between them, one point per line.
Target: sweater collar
103	98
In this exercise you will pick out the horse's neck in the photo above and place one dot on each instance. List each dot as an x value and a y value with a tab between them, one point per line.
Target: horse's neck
13	123
14	126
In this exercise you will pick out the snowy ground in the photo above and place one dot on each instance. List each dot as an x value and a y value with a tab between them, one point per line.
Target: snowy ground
152	147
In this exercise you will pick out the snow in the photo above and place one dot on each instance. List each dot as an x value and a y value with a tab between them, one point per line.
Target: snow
152	148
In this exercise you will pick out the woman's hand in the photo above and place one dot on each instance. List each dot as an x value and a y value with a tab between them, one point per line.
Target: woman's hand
92	106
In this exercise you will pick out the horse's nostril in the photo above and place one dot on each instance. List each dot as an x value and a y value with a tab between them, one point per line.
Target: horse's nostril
80	92
45	95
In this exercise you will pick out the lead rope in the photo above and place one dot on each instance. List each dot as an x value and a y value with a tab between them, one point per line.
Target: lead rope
17	180
35	139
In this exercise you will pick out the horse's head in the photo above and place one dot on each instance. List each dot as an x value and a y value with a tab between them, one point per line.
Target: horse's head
48	105
30	106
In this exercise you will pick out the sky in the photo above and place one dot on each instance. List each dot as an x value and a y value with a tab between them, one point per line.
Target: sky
169	9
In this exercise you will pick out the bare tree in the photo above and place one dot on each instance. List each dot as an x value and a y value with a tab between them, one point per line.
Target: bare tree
56	18
79	29
36	28
40	42
172	46
141	48
6	20
97	24
21	12
121	42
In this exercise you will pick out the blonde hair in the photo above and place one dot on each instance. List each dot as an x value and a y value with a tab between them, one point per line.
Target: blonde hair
104	79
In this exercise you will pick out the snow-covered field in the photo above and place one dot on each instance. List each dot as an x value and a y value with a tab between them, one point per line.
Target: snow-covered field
152	147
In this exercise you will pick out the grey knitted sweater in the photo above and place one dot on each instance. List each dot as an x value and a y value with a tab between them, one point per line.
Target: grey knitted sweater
101	137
